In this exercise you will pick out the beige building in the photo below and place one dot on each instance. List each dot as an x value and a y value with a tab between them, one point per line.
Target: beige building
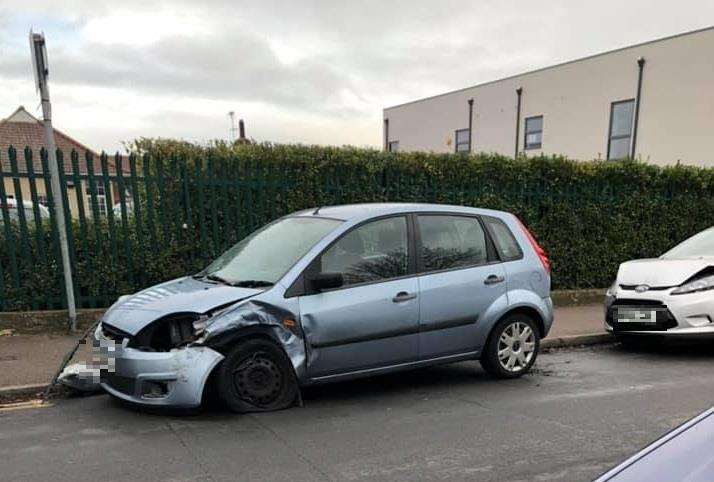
653	101
20	130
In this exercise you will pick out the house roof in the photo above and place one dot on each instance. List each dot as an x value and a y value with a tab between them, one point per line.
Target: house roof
21	129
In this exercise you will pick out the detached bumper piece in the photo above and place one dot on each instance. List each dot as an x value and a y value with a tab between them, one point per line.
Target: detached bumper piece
173	378
664	318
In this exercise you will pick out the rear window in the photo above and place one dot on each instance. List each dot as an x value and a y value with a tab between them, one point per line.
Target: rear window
451	242
503	238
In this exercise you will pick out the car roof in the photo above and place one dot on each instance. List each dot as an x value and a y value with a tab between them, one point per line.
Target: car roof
351	212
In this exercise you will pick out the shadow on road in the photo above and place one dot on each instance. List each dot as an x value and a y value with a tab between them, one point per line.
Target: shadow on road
674	349
423	381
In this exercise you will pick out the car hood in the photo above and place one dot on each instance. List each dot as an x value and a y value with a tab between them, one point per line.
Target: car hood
184	295
659	272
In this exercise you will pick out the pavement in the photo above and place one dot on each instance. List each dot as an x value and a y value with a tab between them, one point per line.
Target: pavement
28	361
581	411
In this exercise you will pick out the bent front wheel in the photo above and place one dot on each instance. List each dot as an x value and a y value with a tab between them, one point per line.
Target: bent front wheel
256	376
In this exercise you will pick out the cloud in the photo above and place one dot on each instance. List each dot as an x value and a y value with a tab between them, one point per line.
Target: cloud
232	65
312	71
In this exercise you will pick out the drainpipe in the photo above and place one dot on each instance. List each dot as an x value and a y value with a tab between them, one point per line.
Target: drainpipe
471	122
386	134
641	65
519	92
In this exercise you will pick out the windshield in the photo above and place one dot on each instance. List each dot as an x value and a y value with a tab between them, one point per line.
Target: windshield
698	246
265	256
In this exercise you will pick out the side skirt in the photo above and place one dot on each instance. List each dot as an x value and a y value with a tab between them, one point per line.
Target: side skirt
471	355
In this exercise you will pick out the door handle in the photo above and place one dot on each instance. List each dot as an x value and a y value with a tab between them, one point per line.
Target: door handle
403	296
493	279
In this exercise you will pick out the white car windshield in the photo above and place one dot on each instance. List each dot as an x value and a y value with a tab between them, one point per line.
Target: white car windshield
265	256
700	245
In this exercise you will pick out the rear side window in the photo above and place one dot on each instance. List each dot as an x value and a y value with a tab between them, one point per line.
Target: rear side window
503	238
449	242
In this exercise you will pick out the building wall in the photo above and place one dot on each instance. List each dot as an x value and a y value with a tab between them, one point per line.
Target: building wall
676	114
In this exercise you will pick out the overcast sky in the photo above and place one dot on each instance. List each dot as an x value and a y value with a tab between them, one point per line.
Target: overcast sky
306	71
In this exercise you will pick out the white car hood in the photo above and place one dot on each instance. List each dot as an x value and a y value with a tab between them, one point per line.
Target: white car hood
658	272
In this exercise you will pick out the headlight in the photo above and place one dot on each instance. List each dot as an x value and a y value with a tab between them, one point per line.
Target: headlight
611	290
701	284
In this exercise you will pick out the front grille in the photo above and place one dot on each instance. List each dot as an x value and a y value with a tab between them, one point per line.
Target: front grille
650	288
120	383
664	320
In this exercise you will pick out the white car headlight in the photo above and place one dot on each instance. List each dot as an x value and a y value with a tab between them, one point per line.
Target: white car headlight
611	290
701	284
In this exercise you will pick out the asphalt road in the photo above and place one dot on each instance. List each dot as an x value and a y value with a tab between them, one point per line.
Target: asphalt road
580	412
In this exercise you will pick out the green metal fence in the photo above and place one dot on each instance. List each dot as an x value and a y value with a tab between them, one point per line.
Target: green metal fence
138	221
132	222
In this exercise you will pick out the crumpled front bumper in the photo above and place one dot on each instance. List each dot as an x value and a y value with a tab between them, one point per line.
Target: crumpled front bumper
173	379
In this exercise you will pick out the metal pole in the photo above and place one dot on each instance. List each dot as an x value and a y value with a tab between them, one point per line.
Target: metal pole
519	92
39	61
641	65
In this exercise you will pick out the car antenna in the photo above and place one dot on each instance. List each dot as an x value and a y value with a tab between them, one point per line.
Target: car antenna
316	211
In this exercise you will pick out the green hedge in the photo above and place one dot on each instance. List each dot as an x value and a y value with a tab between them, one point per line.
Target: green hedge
589	216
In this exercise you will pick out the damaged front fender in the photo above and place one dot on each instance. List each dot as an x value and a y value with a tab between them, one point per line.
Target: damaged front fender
256	317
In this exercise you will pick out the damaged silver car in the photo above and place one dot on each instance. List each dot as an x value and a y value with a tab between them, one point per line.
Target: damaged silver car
330	294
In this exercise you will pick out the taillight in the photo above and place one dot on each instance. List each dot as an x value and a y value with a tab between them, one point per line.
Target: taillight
536	247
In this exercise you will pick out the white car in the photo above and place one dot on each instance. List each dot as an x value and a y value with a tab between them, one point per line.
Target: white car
13	211
672	295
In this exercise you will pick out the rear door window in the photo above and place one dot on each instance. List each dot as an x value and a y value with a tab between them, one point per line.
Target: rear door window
449	242
503	238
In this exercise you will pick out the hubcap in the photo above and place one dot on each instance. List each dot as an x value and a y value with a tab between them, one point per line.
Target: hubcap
258	380
516	347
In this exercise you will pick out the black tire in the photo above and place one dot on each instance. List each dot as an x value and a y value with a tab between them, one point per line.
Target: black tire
490	357
256	376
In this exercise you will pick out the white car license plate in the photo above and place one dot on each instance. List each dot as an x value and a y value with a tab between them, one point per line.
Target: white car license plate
637	315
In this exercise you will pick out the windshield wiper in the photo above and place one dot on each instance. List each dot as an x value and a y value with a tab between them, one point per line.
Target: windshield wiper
253	283
212	277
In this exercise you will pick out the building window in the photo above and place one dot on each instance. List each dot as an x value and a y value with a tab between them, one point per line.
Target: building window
393	146
621	114
534	133
101	198
463	140
98	189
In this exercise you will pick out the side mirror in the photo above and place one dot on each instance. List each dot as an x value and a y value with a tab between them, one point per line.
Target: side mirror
326	281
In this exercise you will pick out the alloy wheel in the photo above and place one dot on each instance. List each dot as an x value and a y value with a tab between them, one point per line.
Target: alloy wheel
516	347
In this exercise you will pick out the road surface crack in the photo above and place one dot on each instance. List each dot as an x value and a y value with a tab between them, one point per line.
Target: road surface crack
195	460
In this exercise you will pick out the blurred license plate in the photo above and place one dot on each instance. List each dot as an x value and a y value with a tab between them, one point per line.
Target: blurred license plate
637	315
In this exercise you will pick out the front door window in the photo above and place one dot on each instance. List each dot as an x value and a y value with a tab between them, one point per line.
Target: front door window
372	252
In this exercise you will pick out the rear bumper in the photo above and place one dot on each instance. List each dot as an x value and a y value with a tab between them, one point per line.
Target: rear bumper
171	379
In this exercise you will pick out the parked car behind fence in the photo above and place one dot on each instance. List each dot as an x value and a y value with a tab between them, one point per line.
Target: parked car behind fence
28	212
